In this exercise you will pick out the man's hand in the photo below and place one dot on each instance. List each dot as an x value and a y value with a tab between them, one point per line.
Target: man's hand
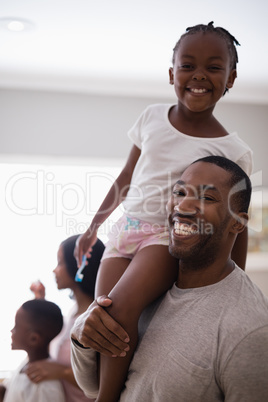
98	330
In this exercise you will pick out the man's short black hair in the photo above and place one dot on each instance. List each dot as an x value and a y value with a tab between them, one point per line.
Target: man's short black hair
239	181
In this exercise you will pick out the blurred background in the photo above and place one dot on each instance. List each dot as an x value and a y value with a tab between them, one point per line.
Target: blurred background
74	77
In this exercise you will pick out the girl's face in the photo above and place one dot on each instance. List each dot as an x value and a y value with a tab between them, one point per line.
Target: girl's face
201	71
63	279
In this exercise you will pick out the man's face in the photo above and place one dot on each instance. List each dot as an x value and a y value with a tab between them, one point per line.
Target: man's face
199	219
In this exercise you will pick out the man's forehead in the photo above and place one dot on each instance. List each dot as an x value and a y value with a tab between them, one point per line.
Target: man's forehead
203	174
199	187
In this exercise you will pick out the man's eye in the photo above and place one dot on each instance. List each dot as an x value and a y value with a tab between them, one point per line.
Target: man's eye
179	193
206	197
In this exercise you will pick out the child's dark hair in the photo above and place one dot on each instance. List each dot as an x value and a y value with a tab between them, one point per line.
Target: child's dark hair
239	181
45	316
230	40
90	271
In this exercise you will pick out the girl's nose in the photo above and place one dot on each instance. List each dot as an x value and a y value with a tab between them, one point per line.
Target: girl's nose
199	76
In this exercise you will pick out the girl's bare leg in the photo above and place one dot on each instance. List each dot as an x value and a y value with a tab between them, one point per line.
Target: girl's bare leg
151	272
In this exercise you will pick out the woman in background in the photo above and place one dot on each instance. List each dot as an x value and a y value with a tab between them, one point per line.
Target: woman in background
83	295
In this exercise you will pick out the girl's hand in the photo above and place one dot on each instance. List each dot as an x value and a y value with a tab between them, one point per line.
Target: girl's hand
38	290
84	245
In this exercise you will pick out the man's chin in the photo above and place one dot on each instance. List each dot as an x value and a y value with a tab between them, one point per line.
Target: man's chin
176	252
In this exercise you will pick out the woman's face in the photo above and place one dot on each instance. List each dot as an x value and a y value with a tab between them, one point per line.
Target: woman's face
62	277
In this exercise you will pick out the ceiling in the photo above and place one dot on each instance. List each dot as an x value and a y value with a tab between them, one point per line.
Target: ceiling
123	47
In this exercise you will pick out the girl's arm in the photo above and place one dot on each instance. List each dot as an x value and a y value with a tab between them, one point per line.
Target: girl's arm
115	196
240	248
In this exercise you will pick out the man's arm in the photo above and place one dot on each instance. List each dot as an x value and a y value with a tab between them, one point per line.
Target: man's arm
85	369
245	376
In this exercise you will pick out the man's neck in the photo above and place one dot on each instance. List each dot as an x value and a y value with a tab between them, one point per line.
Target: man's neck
189	277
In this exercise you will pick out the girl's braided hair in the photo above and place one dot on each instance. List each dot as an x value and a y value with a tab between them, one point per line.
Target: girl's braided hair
230	40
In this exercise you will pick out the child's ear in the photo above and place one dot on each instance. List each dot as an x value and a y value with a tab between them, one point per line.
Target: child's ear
231	79
171	76
240	223
34	338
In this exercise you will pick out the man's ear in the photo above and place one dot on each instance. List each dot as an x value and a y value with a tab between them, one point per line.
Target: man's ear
171	76
240	222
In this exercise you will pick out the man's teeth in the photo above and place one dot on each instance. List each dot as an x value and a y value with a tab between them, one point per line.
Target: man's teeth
198	90
183	229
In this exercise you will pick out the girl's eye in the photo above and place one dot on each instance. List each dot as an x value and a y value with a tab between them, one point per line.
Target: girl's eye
215	68
186	66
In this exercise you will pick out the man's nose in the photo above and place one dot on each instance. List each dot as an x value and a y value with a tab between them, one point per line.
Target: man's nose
186	207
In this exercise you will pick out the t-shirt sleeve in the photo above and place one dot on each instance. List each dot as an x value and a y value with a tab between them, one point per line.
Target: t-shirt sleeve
84	365
246	162
135	132
245	376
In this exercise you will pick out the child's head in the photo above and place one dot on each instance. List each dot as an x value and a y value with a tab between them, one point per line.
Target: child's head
37	322
223	33
223	48
67	266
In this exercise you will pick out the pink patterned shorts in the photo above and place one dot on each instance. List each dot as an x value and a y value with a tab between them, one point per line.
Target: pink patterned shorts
129	235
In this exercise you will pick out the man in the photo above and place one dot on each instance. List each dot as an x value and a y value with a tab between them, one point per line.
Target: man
208	338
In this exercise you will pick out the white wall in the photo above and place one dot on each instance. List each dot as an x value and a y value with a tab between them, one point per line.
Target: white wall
76	124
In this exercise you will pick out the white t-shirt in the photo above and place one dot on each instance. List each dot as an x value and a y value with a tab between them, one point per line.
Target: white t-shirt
21	389
165	154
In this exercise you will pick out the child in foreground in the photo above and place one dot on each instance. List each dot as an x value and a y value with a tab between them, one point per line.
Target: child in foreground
136	267
37	322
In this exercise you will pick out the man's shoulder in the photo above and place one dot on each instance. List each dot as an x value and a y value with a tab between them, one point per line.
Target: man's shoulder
246	313
247	301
